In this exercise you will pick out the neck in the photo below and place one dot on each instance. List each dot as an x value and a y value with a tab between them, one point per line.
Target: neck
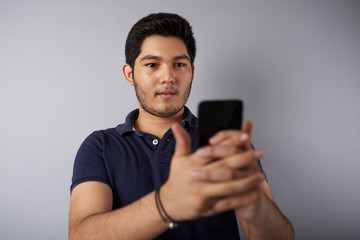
155	125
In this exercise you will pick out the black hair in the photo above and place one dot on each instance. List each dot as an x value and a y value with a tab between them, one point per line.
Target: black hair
163	24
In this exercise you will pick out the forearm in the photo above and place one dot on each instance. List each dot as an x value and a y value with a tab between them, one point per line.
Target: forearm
139	220
269	223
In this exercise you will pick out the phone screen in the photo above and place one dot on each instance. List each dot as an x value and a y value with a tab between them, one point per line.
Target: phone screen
218	115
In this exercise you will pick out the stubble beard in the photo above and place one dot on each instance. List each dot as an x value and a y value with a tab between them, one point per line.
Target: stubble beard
164	112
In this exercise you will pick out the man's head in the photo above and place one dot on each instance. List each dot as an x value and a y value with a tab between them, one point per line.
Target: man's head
162	24
160	51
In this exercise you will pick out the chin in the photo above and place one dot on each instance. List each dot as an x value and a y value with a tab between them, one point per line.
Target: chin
164	111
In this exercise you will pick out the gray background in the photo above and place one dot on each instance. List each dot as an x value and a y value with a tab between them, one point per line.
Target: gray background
296	65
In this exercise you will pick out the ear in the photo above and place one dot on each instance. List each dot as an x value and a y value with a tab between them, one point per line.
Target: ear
193	70
128	74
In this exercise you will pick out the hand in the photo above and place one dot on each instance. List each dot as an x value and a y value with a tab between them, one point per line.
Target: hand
242	138
185	197
239	161
230	142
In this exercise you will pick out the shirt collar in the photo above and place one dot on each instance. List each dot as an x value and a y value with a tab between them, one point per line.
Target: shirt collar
189	120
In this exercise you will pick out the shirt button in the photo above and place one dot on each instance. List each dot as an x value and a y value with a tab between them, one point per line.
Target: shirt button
155	142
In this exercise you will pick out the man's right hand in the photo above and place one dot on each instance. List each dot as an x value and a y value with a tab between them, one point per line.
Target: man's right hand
185	198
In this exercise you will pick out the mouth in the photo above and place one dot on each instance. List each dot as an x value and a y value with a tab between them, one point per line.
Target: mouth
166	94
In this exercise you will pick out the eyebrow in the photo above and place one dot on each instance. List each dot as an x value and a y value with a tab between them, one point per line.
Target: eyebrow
181	57
153	57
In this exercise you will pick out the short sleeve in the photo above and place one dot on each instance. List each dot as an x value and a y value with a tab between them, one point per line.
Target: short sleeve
89	162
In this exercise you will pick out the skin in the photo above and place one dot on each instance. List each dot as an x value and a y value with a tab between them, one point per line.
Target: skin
163	66
197	185
167	93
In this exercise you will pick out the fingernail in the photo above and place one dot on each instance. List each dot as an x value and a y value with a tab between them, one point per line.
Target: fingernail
200	151
212	140
206	214
196	174
261	176
259	154
243	137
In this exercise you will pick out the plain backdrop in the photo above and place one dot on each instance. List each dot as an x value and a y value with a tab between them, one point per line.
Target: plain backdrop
295	64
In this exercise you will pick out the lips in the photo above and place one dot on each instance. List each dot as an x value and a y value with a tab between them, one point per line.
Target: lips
166	94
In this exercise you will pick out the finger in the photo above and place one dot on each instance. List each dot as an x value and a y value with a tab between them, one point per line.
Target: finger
233	202
239	186
223	135
214	175
218	151
240	160
231	137
241	140
209	154
182	141
220	174
247	127
228	156
236	166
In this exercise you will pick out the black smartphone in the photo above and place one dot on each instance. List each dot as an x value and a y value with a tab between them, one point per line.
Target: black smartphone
218	115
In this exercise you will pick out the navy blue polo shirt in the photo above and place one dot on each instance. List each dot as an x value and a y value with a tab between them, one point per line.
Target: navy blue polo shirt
134	163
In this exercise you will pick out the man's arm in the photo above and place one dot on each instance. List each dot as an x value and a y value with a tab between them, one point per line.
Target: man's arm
275	225
257	213
183	197
92	217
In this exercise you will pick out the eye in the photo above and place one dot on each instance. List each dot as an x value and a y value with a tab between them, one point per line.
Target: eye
151	65
180	64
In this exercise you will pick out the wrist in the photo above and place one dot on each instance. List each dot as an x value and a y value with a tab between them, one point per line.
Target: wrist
167	219
268	221
257	212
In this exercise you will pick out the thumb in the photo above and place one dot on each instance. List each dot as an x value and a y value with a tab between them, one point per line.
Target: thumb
182	140
247	127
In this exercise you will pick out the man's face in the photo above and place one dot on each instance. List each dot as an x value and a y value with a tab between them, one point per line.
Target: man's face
163	75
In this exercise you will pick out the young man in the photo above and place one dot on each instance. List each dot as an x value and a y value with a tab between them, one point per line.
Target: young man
145	176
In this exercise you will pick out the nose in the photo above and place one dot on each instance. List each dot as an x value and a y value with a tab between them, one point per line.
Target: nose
167	75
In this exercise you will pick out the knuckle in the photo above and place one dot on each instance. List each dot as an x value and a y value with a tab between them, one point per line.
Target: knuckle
197	206
235	161
256	194
232	175
255	154
222	164
228	189
249	156
225	205
233	150
210	151
252	196
229	174
207	175
221	134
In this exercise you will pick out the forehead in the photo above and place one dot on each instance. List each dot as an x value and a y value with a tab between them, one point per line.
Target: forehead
163	46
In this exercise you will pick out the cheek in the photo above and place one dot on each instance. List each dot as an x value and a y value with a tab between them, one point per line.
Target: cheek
143	78
188	80
185	76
